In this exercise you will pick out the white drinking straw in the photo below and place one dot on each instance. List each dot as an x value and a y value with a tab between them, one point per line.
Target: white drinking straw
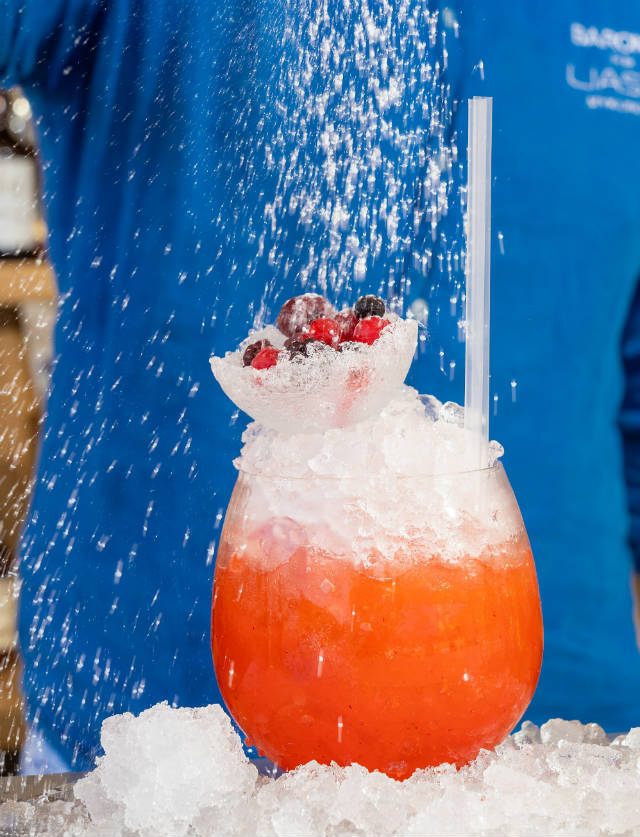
476	369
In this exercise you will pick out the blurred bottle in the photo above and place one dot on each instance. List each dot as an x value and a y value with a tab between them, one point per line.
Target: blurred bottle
24	272
23	231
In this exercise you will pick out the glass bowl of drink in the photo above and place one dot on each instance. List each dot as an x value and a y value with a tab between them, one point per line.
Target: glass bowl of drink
388	620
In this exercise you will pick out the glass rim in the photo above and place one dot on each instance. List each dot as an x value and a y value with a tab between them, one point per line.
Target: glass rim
489	469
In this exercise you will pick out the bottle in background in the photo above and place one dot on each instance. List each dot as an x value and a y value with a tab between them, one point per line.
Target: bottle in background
23	230
27	301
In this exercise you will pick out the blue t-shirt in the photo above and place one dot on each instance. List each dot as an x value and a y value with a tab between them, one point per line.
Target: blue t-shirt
164	126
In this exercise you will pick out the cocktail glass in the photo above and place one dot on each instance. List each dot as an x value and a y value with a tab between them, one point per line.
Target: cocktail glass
396	633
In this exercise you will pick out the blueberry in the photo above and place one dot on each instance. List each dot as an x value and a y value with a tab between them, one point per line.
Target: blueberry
369	306
300	348
296	348
252	350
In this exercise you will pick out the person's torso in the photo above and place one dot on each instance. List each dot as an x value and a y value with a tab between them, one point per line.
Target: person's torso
172	167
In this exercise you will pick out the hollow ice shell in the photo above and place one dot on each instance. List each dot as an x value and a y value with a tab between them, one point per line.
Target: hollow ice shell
329	389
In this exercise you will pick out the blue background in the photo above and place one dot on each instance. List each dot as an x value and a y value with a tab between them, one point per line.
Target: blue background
149	115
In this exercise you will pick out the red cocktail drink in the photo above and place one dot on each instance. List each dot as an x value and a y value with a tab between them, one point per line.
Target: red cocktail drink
393	651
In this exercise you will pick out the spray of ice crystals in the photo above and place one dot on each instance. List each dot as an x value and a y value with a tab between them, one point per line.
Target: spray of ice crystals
362	153
342	185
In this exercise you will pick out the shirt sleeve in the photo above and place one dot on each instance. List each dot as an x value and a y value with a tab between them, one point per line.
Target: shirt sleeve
630	422
39	37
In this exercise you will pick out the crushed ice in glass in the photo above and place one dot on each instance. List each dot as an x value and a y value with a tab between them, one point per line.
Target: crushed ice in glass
183	772
369	478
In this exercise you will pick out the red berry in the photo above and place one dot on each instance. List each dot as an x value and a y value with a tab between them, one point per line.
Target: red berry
326	330
368	330
252	350
347	320
265	358
298	312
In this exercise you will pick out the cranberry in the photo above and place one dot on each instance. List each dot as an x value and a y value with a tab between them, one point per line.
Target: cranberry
369	306
369	329
347	320
252	350
299	312
265	358
326	330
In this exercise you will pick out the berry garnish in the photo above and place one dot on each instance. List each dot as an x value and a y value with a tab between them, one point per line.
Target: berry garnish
265	358
368	330
326	330
300	311
293	342
252	350
296	348
369	306
347	321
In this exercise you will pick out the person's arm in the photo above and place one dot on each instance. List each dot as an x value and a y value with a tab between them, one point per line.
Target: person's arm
38	38
630	427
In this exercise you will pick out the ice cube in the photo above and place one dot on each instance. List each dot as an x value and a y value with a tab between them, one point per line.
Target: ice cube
557	730
527	734
594	734
631	739
495	451
452	413
432	407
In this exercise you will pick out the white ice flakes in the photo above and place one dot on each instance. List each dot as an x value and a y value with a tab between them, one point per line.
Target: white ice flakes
168	769
183	772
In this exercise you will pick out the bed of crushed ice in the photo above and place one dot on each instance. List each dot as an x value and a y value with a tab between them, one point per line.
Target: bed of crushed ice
183	772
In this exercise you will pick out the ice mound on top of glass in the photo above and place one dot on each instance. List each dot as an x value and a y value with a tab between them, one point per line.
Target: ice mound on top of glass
375	599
